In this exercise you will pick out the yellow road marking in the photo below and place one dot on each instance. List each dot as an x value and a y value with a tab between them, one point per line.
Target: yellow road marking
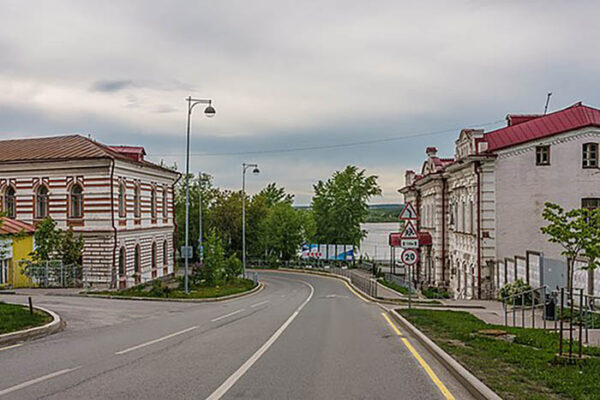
417	356
356	293
10	347
394	327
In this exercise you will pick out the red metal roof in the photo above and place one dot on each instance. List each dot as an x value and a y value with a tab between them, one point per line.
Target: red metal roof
9	226
136	153
575	117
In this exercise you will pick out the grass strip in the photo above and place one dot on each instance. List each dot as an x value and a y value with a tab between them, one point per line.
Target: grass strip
15	318
196	292
519	365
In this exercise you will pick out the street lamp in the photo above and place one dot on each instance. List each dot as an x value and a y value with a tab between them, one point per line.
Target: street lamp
210	112
255	171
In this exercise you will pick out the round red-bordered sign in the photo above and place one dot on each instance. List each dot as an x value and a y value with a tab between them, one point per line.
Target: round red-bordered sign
409	256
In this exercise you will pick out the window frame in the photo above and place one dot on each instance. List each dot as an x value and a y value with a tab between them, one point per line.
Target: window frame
539	154
153	203
10	208
586	158
165	253
76	199
137	201
122	199
165	202
42	200
122	262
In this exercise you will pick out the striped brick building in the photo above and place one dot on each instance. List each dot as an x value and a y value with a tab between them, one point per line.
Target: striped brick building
122	204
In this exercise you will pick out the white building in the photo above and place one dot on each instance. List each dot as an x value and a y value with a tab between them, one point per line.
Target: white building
122	204
484	207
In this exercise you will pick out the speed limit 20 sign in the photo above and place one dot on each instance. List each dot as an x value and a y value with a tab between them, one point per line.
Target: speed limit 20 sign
409	256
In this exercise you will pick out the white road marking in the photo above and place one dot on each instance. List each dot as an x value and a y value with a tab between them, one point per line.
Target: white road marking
10	347
226	315
36	380
139	346
259	304
225	386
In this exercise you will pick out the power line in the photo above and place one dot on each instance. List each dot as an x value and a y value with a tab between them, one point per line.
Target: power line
331	146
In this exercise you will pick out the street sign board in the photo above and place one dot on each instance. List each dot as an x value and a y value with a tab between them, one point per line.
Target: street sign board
187	252
409	232
409	257
408	212
409	243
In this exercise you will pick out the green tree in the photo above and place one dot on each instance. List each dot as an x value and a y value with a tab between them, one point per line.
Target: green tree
340	205
577	231
213	270
200	188
282	231
70	248
275	195
47	240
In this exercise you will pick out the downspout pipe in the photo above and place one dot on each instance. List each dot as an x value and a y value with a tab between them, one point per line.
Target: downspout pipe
477	165
112	220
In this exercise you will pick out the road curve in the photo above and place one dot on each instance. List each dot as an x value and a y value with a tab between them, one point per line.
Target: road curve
302	337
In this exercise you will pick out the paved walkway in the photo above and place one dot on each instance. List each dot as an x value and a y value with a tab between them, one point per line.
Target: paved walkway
493	313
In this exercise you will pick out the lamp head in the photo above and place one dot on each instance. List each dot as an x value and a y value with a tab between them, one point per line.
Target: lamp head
255	171
210	111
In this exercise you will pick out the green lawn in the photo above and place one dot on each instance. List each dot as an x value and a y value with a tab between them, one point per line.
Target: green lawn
15	318
394	286
523	369
196	292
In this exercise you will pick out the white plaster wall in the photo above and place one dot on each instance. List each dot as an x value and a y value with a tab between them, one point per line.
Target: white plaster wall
522	188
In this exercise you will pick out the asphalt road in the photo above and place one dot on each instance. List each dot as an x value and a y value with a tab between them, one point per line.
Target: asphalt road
302	337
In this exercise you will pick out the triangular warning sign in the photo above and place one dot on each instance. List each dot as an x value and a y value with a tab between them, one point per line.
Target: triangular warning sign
408	212
409	232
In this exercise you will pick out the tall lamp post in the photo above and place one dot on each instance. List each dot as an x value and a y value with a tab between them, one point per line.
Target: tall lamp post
210	112
255	171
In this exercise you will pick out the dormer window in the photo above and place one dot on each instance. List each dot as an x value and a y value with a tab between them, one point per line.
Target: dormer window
590	155
542	155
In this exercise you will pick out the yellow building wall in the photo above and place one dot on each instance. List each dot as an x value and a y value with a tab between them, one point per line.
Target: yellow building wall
22	247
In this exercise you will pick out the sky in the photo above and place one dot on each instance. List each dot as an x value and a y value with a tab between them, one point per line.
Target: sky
291	74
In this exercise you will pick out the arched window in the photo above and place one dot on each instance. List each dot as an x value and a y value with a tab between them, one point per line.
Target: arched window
76	201
10	207
137	263
153	202
165	253
153	255
122	262
137	206
122	200
165	201
41	202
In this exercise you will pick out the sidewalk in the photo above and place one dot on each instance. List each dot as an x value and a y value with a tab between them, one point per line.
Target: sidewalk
492	313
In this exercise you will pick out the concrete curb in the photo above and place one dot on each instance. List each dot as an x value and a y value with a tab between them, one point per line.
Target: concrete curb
477	388
254	290
56	325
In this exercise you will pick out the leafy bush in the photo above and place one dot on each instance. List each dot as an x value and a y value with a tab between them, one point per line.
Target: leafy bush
433	292
516	287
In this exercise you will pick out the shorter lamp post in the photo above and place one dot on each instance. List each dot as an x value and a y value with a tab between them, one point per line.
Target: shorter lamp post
255	171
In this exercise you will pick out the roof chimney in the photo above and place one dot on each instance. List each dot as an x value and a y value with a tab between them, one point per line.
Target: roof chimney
431	151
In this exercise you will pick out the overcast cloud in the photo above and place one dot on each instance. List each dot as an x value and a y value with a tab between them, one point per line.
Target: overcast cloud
290	74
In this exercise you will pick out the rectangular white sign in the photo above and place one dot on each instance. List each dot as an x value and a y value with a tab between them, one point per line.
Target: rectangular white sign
409	243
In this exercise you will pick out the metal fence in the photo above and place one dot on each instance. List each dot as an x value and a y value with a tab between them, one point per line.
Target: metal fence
54	273
365	284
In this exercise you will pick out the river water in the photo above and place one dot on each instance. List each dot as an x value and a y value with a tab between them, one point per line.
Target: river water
376	243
